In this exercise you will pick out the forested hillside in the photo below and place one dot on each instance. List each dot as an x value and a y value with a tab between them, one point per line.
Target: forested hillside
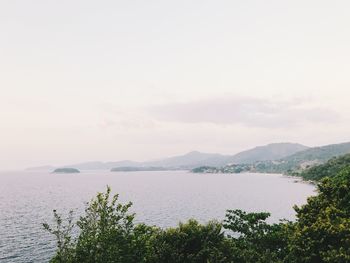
293	165
330	168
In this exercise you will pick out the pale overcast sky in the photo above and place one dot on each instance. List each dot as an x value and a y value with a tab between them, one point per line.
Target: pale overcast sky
109	80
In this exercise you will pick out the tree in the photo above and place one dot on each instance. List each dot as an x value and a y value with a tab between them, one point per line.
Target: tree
106	234
254	240
322	231
191	242
62	233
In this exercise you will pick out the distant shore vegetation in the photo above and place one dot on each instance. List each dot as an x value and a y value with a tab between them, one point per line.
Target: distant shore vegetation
140	169
66	170
313	172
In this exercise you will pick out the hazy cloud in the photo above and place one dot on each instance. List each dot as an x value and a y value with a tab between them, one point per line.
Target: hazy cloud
124	118
246	111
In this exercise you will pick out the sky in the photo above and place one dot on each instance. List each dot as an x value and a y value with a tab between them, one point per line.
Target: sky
88	80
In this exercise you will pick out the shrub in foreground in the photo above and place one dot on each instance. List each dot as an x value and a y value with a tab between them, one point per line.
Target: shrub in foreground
107	233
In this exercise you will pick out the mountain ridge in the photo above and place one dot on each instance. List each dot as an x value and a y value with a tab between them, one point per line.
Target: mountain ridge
272	151
293	164
195	158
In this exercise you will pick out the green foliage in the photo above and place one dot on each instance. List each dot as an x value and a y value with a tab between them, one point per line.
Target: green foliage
291	165
190	242
256	240
301	160
329	169
322	232
205	169
107	233
66	170
62	233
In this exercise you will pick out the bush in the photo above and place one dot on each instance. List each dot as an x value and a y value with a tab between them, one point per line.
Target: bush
254	239
191	242
322	232
106	233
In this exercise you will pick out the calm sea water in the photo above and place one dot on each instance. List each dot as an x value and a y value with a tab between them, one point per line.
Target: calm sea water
160	198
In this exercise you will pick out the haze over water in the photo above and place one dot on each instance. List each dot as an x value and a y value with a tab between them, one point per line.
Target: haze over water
160	198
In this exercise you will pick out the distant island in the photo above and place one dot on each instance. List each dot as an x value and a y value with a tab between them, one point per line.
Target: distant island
191	160
320	232
281	158
66	170
140	169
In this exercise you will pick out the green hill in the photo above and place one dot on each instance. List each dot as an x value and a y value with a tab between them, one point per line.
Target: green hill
330	168
294	164
273	151
300	161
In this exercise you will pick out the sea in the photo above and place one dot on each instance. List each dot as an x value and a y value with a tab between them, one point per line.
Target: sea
27	199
